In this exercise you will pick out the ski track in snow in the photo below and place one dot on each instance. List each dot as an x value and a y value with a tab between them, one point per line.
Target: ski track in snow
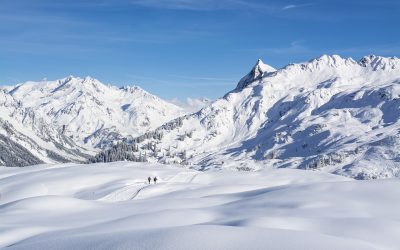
128	192
131	191
330	115
185	177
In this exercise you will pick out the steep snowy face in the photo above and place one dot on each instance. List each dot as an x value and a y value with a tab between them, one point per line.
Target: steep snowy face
382	63
26	139
256	73
94	114
331	113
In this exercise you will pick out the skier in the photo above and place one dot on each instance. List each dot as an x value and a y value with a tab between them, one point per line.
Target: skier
155	180
149	179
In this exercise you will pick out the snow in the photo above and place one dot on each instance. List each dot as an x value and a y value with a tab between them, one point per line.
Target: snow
92	113
104	206
331	114
256	73
25	128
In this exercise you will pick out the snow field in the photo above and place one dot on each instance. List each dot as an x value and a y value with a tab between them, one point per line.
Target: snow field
104	206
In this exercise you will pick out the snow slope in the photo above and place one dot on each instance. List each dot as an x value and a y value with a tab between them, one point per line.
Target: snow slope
71	119
26	139
110	206
94	114
331	113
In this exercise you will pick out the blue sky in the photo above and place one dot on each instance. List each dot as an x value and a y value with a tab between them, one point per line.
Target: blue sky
180	48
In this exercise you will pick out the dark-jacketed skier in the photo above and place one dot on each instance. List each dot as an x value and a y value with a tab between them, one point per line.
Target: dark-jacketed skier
155	180
149	179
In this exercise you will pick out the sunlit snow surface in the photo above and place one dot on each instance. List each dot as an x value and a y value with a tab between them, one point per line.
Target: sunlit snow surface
331	113
110	206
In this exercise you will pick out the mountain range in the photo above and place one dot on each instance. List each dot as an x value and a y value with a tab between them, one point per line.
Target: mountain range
329	114
73	118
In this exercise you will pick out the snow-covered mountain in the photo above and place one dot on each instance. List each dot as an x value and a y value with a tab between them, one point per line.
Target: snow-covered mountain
93	114
331	113
26	139
72	118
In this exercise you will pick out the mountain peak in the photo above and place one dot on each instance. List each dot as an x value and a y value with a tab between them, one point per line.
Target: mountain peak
261	66
331	59
76	79
67	79
259	61
256	73
92	81
379	62
89	79
87	83
133	89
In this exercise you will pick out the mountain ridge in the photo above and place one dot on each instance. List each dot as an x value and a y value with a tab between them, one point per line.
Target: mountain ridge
330	114
85	106
71	119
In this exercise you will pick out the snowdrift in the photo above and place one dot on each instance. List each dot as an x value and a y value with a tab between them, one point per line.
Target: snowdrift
110	206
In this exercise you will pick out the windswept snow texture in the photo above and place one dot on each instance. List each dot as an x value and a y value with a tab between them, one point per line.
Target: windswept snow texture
332	114
110	206
94	114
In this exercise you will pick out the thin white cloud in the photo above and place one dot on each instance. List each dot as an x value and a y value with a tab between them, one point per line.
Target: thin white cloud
295	6
175	4
299	47
295	47
382	50
139	78
191	105
202	5
202	78
181	81
291	6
